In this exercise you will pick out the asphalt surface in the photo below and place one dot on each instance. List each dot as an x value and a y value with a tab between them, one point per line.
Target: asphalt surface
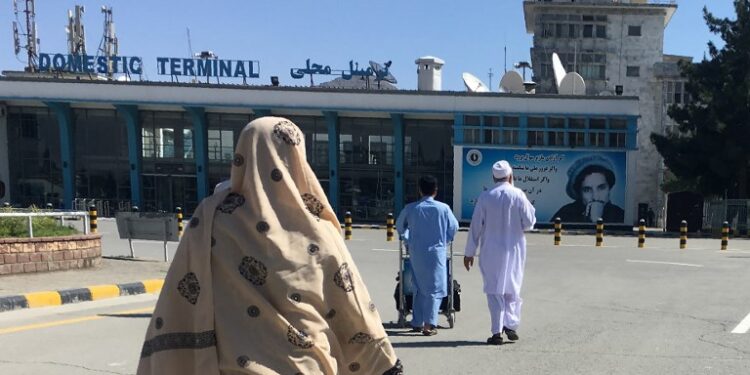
615	309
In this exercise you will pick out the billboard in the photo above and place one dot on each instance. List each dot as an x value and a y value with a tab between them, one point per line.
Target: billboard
577	186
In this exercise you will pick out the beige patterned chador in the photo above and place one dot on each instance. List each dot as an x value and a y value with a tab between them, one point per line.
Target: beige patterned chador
262	282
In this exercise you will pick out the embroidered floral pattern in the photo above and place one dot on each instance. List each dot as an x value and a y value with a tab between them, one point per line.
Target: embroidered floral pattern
189	287
231	202
238	160
276	175
361	338
179	340
287	132
343	278
313	204
298	338
253	270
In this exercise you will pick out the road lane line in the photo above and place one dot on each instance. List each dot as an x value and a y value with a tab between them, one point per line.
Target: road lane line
391	250
669	263
744	325
29	327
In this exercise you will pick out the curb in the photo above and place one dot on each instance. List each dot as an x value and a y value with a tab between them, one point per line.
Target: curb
67	296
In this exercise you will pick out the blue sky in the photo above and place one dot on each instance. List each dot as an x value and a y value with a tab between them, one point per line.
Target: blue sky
469	35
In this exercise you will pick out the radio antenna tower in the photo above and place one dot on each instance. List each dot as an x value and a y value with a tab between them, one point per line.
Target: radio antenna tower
109	45
32	42
76	33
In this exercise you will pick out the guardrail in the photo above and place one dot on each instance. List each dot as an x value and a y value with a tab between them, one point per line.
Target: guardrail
61	214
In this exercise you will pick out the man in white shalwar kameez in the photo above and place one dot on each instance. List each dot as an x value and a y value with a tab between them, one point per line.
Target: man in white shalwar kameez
501	216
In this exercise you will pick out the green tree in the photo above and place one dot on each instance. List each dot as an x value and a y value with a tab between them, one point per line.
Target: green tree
710	154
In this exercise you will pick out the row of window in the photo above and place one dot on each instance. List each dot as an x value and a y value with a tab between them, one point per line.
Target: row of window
546	131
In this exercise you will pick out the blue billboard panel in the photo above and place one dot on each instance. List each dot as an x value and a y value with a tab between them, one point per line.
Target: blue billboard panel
577	186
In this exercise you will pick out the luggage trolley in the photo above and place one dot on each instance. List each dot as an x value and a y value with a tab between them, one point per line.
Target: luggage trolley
405	290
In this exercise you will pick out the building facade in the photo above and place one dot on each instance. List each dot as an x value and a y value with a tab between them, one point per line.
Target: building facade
617	47
162	145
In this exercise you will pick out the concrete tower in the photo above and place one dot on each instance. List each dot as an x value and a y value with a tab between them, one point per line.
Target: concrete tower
429	73
617	46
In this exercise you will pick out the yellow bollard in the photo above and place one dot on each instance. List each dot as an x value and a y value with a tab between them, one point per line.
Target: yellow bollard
348	225
558	230
92	219
641	233
180	226
683	234
599	232
389	227
724	235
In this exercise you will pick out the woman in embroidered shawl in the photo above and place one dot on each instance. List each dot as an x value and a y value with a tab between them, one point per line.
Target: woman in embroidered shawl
262	282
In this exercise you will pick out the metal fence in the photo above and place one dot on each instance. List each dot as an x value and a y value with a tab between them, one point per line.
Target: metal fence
76	215
104	207
734	211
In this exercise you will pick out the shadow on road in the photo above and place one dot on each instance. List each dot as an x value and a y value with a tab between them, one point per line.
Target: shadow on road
438	344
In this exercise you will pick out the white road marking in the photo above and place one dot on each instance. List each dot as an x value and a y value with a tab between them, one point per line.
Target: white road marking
390	250
669	263
744	325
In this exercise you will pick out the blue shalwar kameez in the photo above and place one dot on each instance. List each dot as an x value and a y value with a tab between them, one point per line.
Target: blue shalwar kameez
431	226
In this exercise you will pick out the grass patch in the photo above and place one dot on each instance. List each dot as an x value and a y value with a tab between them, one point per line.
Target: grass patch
43	226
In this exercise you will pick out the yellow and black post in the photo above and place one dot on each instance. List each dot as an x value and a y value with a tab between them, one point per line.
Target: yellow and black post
683	234
92	219
641	233
348	225
558	231
599	232
180	226
389	227
724	235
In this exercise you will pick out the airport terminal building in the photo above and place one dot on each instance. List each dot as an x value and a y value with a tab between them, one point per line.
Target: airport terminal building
159	145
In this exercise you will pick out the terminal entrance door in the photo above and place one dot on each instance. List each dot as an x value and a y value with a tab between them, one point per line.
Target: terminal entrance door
167	192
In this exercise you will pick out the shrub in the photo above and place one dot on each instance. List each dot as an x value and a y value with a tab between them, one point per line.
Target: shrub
43	226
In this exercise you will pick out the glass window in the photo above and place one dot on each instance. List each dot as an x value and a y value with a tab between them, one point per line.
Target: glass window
535	122
618	124
220	145
601	31
535	138
634	30
588	31
633	71
573	30
187	148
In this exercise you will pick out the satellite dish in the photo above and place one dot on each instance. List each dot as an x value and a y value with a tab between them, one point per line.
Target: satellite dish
512	83
381	73
572	84
558	69
473	84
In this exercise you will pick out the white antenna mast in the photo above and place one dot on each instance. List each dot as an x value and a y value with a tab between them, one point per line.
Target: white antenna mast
110	47
32	42
190	48
76	33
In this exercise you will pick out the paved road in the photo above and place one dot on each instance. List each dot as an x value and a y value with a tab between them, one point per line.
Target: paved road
615	310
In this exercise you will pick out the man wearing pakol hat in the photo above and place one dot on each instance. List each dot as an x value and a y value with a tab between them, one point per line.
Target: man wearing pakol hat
500	217
590	182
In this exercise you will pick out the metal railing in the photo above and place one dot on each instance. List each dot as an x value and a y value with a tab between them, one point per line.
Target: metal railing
61	214
734	211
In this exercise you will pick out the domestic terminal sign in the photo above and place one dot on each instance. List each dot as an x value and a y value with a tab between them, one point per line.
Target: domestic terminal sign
171	66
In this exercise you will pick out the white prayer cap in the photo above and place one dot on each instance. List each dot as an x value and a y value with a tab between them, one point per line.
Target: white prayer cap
501	169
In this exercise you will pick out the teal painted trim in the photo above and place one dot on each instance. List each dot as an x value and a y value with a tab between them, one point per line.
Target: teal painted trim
135	150
332	121
458	128
262	112
523	135
67	150
632	137
397	121
200	140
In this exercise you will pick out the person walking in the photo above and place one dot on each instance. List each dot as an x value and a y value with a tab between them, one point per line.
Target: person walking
431	226
501	216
